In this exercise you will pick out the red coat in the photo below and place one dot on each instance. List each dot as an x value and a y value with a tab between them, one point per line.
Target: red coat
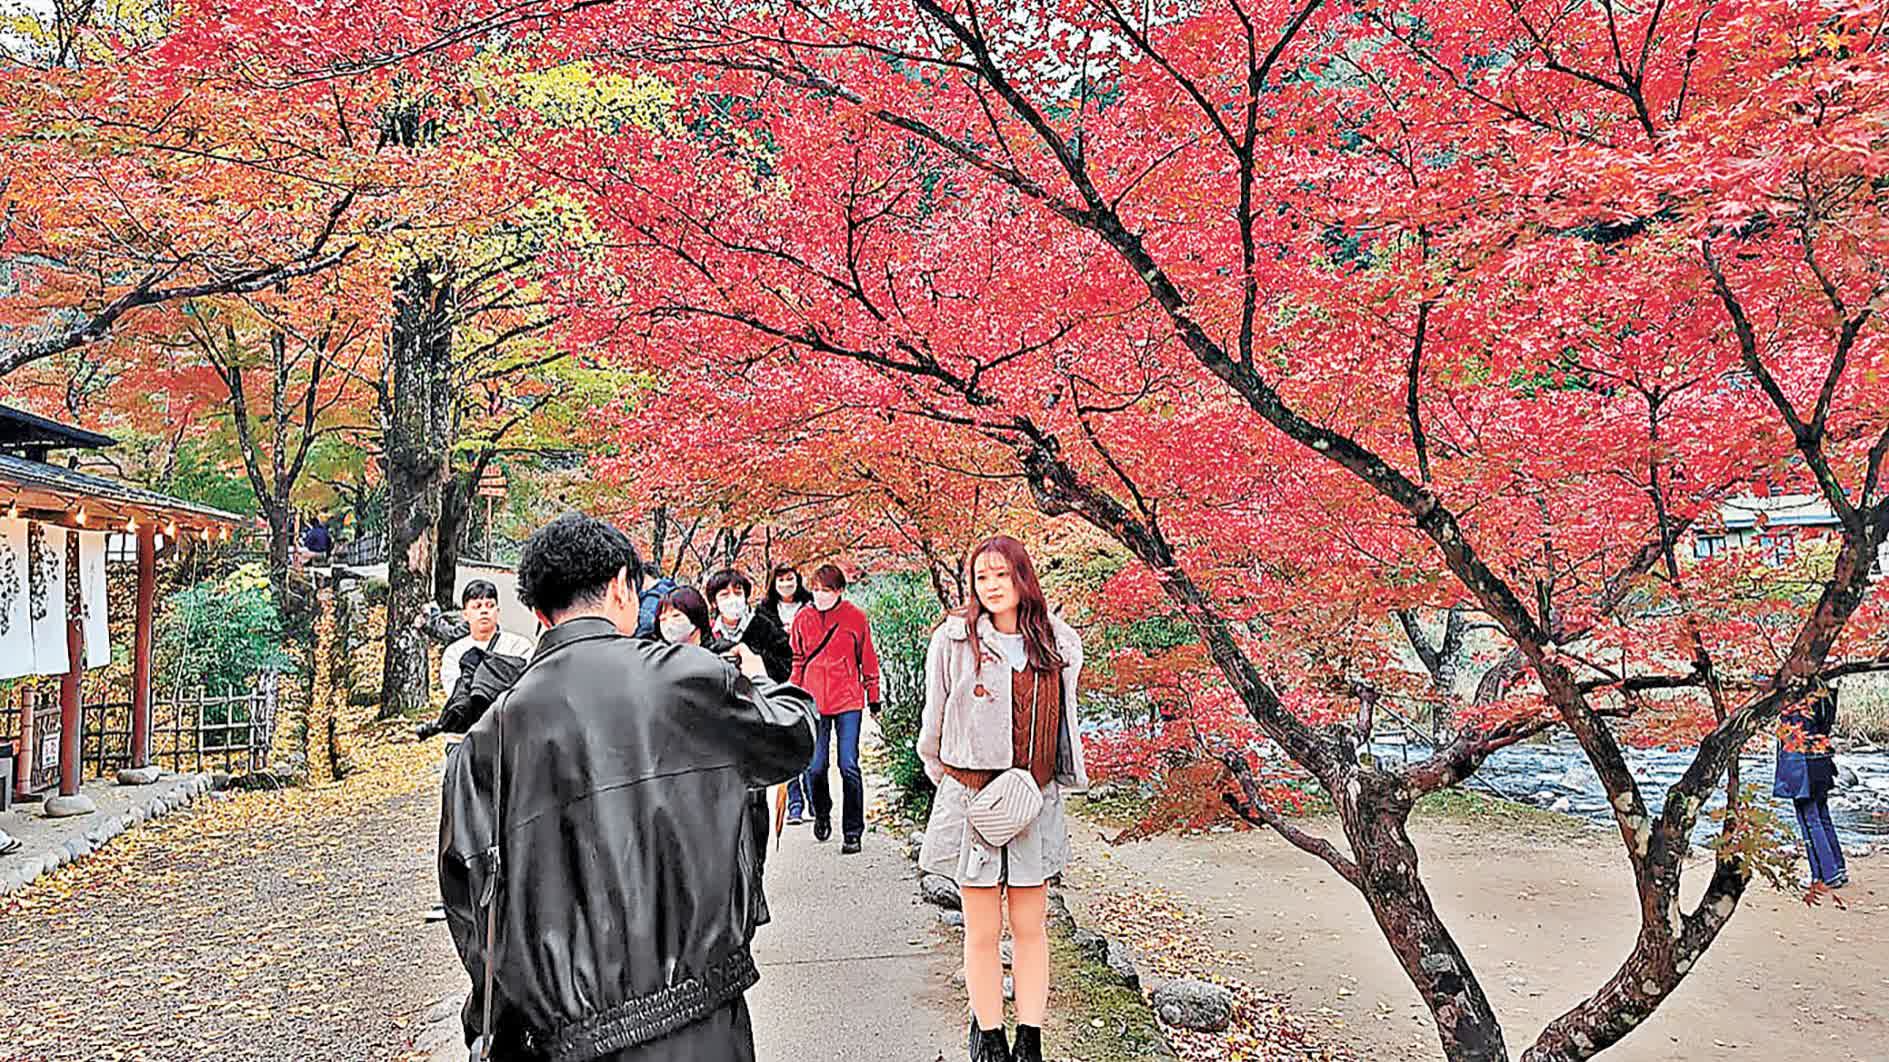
844	677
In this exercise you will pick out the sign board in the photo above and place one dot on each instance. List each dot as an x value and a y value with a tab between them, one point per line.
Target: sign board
492	485
42	764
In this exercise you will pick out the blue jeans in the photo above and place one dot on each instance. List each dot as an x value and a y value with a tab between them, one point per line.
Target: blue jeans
797	796
852	783
1821	846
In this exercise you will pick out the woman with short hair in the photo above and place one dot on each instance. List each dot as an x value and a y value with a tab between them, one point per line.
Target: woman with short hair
834	660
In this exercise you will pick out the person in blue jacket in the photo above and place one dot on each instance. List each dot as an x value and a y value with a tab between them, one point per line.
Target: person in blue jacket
1806	772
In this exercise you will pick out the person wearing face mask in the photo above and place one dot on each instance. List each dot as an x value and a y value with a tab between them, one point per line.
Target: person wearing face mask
735	622
787	597
999	738
834	660
682	617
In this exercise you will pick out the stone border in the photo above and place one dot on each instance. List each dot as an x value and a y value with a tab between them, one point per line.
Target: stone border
1115	955
188	789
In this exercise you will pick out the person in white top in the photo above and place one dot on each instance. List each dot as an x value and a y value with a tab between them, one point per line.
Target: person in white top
786	596
480	604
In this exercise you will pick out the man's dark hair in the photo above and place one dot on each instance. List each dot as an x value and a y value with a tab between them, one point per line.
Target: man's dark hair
478	590
571	560
829	577
726	578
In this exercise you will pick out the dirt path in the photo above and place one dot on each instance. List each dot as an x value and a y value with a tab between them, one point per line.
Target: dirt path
259	926
1544	920
288	926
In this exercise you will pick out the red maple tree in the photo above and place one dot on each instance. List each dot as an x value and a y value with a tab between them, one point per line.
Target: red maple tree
1328	312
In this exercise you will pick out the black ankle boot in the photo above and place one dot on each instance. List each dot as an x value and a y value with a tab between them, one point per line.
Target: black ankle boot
1029	1044
989	1045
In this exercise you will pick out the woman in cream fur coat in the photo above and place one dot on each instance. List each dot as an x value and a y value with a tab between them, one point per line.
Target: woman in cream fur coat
1000	695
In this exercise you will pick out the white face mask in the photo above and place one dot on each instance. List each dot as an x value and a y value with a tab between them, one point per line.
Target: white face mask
824	600
786	589
676	628
733	609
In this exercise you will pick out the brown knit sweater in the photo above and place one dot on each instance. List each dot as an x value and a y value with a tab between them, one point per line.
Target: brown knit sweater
1035	689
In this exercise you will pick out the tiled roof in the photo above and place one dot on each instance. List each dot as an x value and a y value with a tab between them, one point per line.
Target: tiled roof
22	430
66	482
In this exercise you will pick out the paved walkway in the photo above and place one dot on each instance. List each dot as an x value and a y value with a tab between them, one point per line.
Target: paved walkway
853	968
41	837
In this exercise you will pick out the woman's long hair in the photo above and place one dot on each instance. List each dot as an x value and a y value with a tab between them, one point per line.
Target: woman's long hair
802	595
1039	637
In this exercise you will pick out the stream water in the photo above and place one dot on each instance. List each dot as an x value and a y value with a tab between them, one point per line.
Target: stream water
1556	775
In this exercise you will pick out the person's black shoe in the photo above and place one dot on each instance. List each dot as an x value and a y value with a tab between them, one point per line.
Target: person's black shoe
989	1045
1029	1046
850	846
822	829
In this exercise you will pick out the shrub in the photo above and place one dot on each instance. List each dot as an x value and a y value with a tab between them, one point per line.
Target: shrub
220	633
903	611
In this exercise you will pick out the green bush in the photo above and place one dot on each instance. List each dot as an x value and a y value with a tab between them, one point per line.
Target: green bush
904	612
219	634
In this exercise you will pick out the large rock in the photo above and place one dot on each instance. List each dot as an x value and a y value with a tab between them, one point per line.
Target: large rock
61	807
1198	1005
1121	962
140	775
1847	779
1090	945
1058	911
941	891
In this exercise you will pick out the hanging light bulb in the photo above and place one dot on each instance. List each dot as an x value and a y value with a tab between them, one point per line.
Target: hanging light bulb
13	509
131	525
170	529
80	516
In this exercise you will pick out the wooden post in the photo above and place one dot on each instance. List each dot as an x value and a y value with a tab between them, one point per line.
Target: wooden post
69	708
69	715
141	647
22	768
70	801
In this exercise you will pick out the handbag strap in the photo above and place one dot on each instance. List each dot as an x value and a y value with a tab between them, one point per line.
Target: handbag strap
830	632
491	882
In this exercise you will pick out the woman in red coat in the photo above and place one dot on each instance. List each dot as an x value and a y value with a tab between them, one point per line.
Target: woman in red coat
834	660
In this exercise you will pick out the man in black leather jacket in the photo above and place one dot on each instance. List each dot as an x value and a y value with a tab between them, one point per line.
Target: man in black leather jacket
603	809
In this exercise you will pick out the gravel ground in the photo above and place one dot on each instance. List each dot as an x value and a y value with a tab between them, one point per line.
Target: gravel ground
255	926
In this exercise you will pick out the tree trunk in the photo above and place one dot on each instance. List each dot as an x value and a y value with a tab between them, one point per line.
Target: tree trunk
1375	823
419	377
455	508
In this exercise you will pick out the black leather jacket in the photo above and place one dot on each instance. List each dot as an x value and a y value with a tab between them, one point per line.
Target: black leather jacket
628	883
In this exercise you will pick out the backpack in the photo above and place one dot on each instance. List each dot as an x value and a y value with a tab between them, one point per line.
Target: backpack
647	602
483	676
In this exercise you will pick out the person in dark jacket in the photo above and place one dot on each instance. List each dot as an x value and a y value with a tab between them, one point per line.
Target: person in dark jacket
649	599
595	836
786	597
1806	772
834	660
735	621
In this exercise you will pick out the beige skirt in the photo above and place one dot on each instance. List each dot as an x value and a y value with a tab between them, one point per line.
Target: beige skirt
955	849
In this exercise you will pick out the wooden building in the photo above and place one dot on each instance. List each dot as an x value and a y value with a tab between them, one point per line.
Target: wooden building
42	502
